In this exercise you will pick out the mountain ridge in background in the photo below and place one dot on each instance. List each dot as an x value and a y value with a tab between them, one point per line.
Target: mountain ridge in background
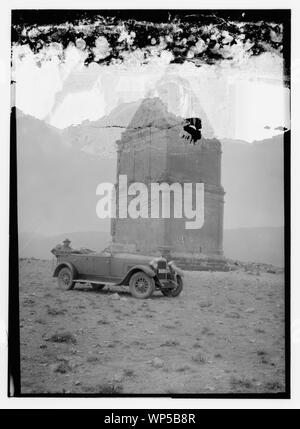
59	170
264	245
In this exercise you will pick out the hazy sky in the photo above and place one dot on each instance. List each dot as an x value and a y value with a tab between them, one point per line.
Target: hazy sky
240	99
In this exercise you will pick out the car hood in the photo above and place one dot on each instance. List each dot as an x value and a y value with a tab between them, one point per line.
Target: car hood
136	258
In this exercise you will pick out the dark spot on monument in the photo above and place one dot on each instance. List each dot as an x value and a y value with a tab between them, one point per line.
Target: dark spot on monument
193	128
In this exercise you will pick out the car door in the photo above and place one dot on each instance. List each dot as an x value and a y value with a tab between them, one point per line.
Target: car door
82	263
101	266
118	267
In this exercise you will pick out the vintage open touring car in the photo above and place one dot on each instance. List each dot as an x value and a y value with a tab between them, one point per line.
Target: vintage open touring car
143	274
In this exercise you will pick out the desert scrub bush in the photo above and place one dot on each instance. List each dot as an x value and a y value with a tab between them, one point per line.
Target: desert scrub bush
260	331
63	337
62	368
111	388
167	326
41	321
113	344
183	368
28	301
263	355
105	388
199	358
103	321
48	295
92	359
170	343
207	331
273	386
129	372
54	312
241	383
138	343
205	304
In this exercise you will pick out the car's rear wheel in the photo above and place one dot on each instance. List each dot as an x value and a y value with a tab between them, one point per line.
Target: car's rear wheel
141	285
97	286
176	291
65	279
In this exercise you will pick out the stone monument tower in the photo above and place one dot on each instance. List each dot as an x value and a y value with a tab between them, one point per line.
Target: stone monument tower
154	148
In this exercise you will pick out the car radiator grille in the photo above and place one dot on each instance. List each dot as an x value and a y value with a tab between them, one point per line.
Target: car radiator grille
162	269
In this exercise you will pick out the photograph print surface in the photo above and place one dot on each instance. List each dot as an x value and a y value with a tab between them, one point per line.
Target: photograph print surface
151	162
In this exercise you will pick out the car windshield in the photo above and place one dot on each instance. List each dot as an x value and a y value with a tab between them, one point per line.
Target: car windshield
120	247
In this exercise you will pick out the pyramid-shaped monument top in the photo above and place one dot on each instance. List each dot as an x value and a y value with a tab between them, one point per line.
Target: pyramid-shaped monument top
152	112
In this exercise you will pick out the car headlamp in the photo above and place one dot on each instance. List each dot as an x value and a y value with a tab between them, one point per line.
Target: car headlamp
171	265
153	264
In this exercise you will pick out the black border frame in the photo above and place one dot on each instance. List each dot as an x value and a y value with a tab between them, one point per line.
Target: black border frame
34	16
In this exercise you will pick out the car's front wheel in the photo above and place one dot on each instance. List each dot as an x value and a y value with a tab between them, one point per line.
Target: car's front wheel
141	285
65	279
176	291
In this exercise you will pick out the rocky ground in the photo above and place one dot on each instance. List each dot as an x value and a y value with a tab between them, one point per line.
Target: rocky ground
223	334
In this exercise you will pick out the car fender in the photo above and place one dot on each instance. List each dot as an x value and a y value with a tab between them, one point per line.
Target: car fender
176	269
65	264
179	272
135	269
